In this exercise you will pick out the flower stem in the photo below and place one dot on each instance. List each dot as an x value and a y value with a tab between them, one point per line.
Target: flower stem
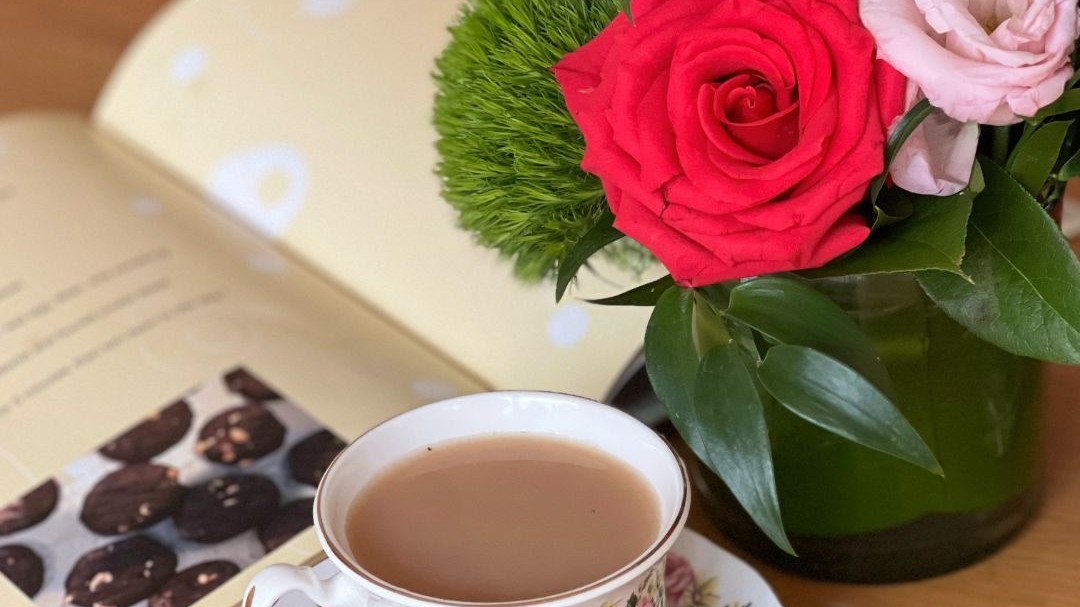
1000	150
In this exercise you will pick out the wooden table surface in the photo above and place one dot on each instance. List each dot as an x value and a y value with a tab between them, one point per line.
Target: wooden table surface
57	54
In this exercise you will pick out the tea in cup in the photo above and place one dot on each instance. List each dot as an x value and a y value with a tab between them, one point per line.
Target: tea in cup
504	498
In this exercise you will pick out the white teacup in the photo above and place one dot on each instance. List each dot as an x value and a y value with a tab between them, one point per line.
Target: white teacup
568	417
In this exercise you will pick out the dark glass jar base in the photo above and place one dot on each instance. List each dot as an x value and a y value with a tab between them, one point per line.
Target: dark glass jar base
927	547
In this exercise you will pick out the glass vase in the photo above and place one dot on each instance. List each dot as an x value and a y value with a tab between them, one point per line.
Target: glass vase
856	515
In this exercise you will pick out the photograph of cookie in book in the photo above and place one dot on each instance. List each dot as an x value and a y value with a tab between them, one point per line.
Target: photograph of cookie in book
168	511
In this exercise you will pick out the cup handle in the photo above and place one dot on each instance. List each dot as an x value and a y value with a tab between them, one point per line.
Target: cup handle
275	581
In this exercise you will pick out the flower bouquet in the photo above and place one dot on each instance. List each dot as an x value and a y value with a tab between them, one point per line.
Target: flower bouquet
853	199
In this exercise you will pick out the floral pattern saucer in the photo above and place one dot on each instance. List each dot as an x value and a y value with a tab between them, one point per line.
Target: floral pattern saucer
698	574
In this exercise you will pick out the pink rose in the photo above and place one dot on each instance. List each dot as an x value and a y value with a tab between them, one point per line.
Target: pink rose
938	156
987	61
678	578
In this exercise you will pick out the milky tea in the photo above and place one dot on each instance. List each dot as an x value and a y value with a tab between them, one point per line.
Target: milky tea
502	518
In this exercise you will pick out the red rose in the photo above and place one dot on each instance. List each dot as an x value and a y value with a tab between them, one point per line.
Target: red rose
734	137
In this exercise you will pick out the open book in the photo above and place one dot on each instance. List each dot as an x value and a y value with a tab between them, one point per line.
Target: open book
239	262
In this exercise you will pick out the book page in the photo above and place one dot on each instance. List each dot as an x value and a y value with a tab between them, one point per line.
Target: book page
154	355
311	121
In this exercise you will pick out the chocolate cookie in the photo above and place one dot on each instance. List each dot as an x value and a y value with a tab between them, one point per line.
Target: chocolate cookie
29	509
151	437
134	497
240	435
245	384
193	583
120	574
309	458
23	567
290	519
226	507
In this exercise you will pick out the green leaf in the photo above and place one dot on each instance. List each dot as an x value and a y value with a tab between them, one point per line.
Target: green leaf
907	125
719	294
1029	128
671	359
895	205
831	395
720	435
931	239
1024	293
599	236
718	297
1033	160
626	9
1070	169
645	295
1068	102
730	420
977	181
787	311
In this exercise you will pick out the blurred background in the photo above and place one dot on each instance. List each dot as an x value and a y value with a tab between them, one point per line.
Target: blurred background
56	54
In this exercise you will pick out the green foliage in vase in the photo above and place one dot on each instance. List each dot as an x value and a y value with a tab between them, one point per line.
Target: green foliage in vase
718	357
1024	299
722	357
510	150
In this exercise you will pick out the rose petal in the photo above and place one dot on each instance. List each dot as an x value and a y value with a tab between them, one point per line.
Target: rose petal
651	142
858	125
698	61
682	256
974	79
892	91
1026	30
766	253
937	158
712	124
642	90
967	36
764	130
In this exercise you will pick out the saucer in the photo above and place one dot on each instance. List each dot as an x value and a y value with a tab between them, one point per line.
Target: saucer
699	574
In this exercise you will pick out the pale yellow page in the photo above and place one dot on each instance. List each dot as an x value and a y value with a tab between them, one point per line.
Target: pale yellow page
121	293
311	120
